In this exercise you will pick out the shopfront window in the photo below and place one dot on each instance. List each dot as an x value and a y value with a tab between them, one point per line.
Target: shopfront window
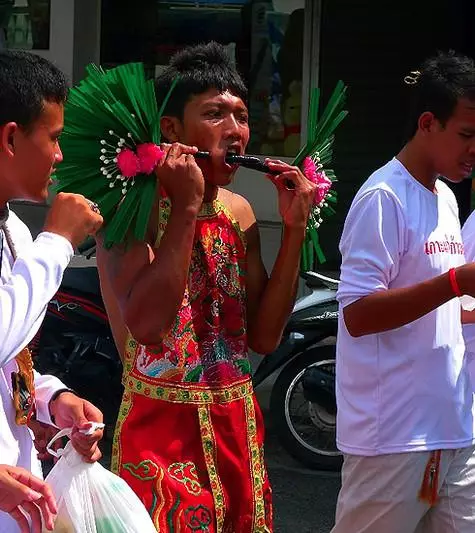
25	24
264	38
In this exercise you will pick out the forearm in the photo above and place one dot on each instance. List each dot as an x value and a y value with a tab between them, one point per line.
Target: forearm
468	317
393	308
159	288
279	295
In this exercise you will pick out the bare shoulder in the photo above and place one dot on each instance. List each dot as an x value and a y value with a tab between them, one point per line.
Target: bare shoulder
239	207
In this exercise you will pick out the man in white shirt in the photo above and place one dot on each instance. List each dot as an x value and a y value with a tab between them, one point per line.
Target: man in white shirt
32	96
405	408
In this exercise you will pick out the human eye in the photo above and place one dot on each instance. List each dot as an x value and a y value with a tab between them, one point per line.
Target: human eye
213	113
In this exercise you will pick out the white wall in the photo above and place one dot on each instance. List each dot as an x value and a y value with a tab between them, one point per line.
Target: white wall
61	36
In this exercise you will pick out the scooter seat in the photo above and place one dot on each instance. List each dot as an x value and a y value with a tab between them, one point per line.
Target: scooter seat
315	280
84	279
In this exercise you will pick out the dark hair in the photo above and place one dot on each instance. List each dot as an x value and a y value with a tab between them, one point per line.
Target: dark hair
26	82
440	82
200	68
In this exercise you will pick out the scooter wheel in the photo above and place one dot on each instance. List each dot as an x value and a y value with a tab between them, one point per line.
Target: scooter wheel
306	429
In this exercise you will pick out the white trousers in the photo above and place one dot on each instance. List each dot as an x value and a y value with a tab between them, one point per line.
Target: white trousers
380	494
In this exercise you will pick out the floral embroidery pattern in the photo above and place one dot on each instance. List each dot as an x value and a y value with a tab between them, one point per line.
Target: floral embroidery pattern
198	518
208	342
186	473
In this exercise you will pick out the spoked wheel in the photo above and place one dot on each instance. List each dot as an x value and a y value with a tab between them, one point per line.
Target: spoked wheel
307	429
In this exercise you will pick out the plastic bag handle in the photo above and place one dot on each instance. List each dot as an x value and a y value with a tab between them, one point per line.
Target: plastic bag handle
66	432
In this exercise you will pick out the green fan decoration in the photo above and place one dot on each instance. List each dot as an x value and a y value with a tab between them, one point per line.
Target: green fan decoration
110	145
109	118
313	158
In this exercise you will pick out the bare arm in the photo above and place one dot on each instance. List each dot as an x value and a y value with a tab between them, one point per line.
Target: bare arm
270	300
393	308
114	314
148	282
468	317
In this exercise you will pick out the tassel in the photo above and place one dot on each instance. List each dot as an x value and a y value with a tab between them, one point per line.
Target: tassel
430	484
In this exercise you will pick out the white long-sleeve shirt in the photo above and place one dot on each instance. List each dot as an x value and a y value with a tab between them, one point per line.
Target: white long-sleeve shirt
26	286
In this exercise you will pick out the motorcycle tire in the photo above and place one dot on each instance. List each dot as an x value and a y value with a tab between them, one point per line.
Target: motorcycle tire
290	374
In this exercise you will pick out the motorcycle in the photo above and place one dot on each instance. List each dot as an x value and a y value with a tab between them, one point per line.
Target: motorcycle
303	402
75	341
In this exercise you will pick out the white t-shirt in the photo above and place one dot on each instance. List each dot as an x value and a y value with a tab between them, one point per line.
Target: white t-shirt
468	235
406	389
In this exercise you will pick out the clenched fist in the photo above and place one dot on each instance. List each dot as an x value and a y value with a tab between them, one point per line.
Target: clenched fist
73	217
180	176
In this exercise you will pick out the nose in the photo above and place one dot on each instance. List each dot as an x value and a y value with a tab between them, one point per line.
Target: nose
58	156
233	128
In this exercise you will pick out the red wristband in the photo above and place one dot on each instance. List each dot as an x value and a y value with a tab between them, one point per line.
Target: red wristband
453	283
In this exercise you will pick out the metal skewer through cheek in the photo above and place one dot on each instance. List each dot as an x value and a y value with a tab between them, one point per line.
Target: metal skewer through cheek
248	161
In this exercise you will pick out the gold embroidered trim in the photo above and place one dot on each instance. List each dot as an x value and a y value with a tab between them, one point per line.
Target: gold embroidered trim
257	468
189	393
124	410
209	450
208	209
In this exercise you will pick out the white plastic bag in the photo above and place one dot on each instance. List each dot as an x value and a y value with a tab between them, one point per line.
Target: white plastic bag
91	499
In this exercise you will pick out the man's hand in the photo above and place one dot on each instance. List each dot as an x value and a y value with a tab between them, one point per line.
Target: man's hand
19	488
180	175
68	410
72	217
294	203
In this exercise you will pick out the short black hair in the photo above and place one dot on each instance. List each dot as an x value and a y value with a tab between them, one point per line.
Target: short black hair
200	68
438	84
26	82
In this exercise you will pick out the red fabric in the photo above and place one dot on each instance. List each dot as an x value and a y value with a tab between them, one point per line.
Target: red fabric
176	488
208	342
190	434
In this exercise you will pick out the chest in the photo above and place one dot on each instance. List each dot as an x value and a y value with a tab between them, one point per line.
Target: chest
432	240
218	258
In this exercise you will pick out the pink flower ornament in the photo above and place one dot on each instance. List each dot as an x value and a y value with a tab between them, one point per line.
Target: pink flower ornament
318	177
144	161
149	155
128	163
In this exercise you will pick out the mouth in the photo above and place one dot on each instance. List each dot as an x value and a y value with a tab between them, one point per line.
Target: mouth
467	167
233	149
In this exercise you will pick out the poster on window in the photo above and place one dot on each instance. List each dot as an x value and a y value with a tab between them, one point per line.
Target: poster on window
25	24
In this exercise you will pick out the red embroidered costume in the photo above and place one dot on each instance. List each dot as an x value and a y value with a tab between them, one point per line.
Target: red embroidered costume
189	438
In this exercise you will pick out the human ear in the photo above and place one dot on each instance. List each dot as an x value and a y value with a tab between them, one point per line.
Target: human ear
426	122
7	138
171	129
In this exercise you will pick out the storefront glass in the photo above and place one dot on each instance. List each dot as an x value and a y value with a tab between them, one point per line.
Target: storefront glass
25	24
264	38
